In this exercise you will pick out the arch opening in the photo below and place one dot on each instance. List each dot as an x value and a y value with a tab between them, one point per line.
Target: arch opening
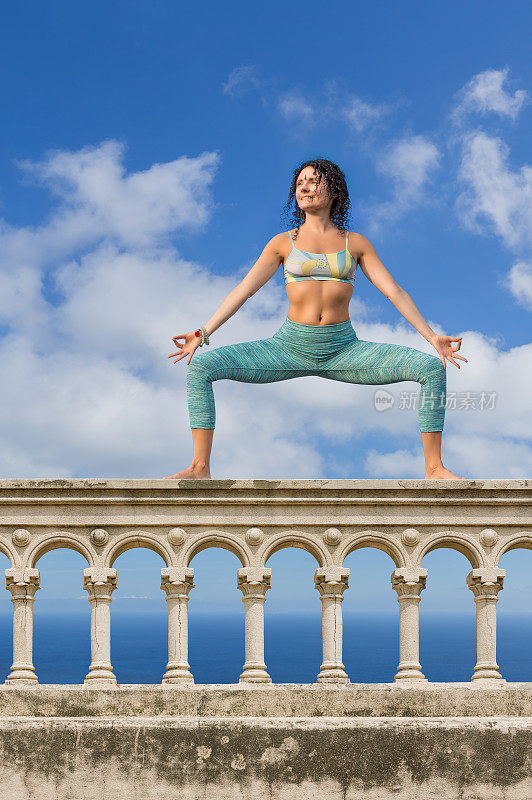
375	542
514	614
139	617
216	617
447	617
61	617
293	646
138	540
6	622
59	541
296	542
465	548
370	616
213	542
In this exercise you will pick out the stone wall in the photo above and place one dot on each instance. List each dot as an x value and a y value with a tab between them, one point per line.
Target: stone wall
233	743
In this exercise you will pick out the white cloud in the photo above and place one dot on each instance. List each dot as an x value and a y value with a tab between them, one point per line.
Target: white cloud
494	196
135	597
485	93
294	107
88	388
396	464
470	456
98	200
409	163
311	110
362	115
241	80
519	282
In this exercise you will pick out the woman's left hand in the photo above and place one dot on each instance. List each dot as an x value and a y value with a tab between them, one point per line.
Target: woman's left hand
445	349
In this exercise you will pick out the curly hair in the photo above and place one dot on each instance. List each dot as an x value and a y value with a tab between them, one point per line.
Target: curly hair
337	186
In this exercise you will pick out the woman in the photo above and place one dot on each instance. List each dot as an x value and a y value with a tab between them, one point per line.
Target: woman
317	337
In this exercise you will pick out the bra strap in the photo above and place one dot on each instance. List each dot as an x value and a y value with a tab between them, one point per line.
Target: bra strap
346	239
290	235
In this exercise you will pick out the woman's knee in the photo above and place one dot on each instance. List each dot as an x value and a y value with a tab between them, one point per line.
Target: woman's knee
432	365
436	364
434	377
199	367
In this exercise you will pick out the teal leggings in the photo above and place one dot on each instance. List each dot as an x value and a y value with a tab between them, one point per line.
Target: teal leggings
328	351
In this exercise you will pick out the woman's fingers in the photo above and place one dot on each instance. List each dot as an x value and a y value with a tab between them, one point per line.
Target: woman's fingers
181	352
451	359
444	345
179	336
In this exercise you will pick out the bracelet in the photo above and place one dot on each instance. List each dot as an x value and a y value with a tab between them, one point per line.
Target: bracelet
203	335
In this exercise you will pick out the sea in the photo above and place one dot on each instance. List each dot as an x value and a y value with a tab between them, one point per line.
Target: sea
139	654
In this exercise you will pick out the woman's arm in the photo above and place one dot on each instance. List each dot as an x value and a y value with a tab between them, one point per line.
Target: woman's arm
260	273
376	272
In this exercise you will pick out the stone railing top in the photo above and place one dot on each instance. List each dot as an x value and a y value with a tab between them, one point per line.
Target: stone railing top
516	491
221	484
407	518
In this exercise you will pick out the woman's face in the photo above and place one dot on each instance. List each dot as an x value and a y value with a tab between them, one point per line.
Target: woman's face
309	193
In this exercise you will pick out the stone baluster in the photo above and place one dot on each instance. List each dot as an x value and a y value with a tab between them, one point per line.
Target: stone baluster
486	583
331	582
177	583
254	582
100	583
409	583
22	583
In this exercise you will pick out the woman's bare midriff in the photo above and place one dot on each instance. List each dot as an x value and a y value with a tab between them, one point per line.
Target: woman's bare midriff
318	302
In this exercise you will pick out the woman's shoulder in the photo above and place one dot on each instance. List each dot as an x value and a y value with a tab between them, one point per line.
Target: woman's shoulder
359	238
281	238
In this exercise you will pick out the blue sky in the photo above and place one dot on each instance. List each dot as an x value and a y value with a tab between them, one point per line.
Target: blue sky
146	155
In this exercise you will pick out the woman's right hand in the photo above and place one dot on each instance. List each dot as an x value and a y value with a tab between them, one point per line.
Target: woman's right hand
188	348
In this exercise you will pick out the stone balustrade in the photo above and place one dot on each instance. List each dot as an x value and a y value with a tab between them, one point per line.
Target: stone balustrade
253	519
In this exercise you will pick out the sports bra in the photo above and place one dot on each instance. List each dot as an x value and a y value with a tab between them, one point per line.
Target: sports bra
304	266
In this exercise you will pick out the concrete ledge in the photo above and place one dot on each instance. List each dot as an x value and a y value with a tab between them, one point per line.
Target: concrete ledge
277	700
175	758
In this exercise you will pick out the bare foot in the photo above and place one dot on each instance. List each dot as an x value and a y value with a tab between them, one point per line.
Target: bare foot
441	472
194	471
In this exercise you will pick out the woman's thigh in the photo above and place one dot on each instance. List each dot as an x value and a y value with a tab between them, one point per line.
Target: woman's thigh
367	362
380	363
259	361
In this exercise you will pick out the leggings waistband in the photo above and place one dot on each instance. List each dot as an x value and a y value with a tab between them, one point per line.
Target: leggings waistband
289	326
321	340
